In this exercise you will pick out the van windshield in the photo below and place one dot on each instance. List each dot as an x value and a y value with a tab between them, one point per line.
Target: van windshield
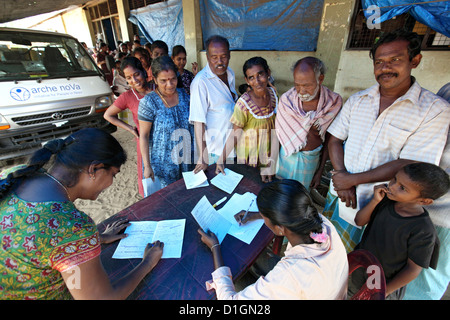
25	56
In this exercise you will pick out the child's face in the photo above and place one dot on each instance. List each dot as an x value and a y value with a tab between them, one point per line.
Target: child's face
180	61
402	189
157	52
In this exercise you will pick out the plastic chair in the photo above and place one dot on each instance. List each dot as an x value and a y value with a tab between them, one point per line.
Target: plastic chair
363	259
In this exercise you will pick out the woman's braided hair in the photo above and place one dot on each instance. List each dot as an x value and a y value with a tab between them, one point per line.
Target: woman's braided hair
74	153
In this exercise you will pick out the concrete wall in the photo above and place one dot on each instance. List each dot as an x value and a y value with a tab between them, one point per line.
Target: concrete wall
348	71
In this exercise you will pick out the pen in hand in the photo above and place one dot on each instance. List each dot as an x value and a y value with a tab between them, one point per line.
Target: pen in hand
246	212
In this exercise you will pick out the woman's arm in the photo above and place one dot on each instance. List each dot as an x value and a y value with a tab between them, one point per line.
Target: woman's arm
111	116
144	140
89	280
211	241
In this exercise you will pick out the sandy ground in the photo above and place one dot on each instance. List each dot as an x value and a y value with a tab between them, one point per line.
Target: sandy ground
124	190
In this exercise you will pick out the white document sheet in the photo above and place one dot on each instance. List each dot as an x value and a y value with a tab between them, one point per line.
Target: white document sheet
209	219
227	182
140	233
245	232
193	180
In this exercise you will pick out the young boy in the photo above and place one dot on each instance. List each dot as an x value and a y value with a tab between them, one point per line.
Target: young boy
399	231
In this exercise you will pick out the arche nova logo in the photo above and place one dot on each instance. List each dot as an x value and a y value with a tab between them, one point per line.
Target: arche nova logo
45	91
20	94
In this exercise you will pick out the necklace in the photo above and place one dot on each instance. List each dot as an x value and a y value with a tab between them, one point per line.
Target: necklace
138	99
162	98
58	182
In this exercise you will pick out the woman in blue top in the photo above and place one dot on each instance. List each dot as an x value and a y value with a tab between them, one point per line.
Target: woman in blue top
164	117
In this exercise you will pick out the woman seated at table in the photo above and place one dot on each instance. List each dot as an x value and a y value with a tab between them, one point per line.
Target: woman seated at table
136	75
51	250
253	120
164	115
314	265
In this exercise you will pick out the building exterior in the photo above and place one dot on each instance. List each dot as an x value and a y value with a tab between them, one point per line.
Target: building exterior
341	43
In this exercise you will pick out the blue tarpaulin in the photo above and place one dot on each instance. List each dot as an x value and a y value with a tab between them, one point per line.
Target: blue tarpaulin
161	21
289	25
434	14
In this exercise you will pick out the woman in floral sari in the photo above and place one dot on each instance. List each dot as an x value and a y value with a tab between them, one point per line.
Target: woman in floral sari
51	250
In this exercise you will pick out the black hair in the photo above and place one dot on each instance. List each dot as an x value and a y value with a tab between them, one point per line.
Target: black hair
287	203
163	63
176	50
433	181
413	39
74	153
133	62
143	52
161	45
217	39
255	61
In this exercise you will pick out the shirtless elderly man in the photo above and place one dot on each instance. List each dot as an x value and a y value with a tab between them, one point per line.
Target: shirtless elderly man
304	114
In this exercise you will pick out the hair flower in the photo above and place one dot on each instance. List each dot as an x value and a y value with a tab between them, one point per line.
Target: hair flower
319	237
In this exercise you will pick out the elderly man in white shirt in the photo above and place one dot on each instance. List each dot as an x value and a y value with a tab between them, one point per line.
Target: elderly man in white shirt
383	127
213	96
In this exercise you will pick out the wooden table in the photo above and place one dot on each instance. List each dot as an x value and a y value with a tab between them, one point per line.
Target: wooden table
184	278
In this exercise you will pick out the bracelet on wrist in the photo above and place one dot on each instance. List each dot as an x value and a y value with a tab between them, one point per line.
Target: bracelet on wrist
216	245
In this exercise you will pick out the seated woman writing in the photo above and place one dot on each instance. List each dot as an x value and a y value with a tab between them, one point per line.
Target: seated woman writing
253	121
315	262
50	249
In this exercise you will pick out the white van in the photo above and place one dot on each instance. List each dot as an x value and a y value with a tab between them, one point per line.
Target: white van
49	88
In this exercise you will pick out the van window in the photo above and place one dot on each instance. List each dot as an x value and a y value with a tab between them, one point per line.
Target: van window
25	56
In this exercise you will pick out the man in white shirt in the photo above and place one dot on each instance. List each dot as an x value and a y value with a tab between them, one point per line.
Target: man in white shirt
384	127
213	96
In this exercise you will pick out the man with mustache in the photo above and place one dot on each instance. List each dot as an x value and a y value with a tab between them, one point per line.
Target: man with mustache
213	96
384	127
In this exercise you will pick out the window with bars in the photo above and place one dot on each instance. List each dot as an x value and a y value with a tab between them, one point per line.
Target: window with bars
361	37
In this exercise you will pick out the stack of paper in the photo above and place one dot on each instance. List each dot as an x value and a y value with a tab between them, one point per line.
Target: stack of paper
208	219
195	180
247	231
222	221
141	233
227	182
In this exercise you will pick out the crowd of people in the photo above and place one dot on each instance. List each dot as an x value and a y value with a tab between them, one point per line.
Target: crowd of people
388	146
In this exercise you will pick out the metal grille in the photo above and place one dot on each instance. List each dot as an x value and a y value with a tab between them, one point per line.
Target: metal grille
361	37
51	116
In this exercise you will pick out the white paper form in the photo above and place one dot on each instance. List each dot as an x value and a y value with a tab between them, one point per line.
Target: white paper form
209	219
227	182
193	180
247	231
140	233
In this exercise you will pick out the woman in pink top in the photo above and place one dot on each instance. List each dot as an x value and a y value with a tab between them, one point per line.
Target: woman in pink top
314	265
136	77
